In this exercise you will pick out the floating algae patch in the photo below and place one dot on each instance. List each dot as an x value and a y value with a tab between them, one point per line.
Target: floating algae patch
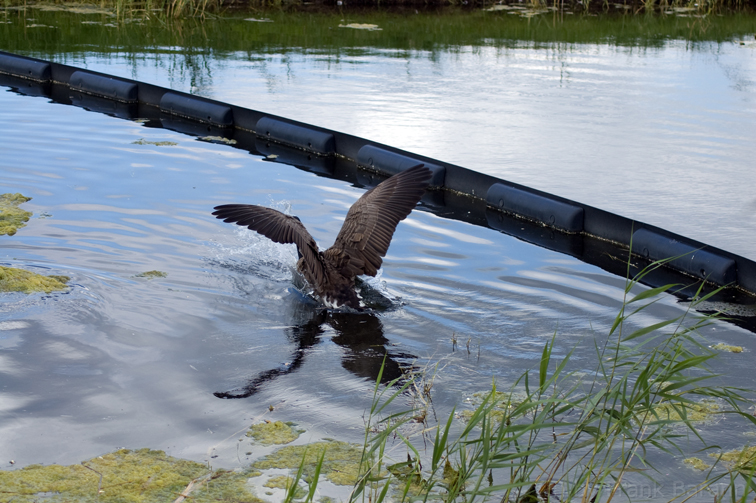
12	217
284	482
697	412
279	482
696	463
124	476
151	274
20	280
142	141
726	347
744	458
218	139
274	432
341	463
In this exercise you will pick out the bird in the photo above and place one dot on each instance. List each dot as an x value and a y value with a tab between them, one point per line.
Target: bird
363	240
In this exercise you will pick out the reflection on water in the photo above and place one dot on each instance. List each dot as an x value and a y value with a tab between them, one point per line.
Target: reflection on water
646	116
359	334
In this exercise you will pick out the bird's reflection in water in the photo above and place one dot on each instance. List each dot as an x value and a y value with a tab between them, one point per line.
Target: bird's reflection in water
360	334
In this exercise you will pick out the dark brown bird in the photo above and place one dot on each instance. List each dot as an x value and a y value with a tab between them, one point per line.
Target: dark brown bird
363	240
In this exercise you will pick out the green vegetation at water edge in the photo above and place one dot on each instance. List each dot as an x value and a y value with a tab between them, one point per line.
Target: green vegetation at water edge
202	8
54	34
575	436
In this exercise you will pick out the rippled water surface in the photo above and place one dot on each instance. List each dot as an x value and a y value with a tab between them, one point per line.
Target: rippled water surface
663	134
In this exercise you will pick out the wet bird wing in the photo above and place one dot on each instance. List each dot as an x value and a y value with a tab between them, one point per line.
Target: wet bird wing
280	228
371	221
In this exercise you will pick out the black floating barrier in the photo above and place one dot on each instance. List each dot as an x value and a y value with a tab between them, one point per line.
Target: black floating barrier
588	233
196	108
25	67
322	165
193	128
548	211
536	233
308	139
24	86
391	163
106	87
700	263
120	109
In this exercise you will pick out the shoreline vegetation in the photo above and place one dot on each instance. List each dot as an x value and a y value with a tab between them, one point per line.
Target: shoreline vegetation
54	30
193	7
525	8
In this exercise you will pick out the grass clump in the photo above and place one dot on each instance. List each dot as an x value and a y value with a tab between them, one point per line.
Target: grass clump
12	217
20	280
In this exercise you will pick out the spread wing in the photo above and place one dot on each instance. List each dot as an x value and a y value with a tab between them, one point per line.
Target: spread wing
371	221
280	228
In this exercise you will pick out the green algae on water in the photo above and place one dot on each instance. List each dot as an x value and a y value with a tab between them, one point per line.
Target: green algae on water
279	482
341	464
726	347
12	217
124	476
20	280
284	482
274	432
696	463
151	274
697	412
740	458
142	141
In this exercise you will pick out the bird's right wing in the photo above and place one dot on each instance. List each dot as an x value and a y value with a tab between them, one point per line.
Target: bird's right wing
280	228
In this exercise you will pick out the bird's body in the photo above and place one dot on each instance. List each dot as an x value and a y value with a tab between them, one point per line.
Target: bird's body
362	242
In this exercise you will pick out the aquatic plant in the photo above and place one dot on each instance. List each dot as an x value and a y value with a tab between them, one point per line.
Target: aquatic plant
556	433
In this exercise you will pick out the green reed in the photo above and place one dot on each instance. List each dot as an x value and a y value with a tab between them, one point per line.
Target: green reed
555	432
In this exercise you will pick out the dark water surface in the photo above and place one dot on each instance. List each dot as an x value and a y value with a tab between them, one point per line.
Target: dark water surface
661	131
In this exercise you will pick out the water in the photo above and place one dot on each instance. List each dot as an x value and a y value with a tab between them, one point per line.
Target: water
660	132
